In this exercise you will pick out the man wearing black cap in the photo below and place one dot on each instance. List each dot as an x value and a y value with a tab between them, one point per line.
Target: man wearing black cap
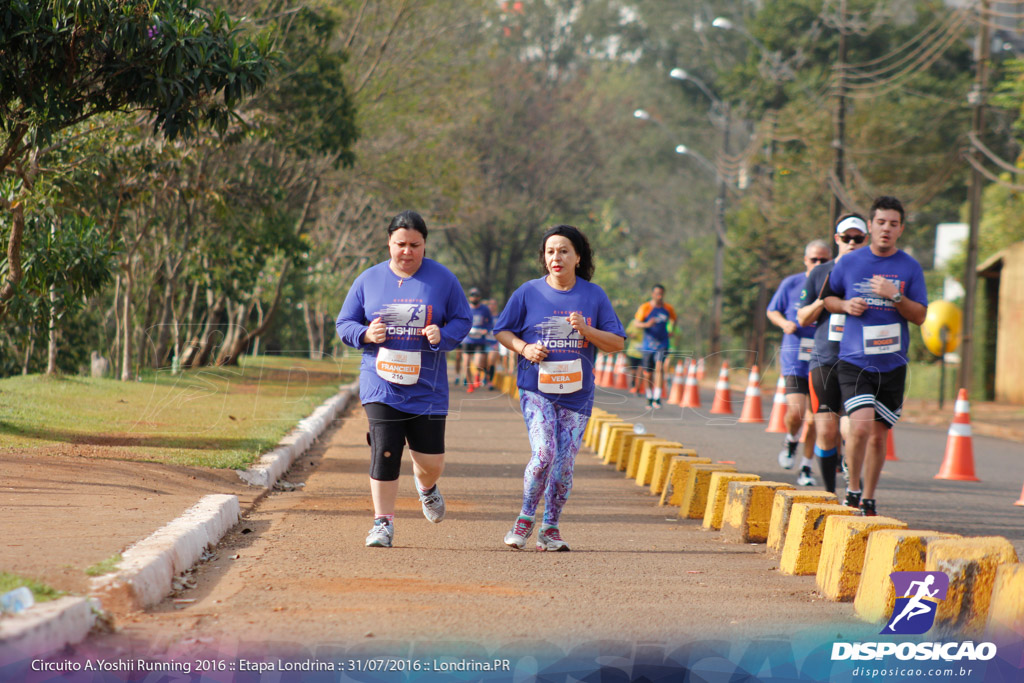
474	346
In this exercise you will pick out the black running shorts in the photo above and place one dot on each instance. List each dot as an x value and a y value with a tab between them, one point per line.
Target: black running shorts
796	384
391	429
870	388
826	394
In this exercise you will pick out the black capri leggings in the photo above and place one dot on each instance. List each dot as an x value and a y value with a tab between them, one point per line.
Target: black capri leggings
390	429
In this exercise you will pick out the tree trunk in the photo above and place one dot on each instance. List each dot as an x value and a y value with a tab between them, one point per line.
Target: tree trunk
126	326
28	353
307	317
114	354
320	317
242	343
259	323
51	351
216	308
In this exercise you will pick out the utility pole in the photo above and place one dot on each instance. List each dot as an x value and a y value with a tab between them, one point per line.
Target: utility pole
839	140
977	102
716	306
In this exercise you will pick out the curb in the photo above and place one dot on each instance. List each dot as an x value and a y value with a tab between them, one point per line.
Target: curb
148	567
46	627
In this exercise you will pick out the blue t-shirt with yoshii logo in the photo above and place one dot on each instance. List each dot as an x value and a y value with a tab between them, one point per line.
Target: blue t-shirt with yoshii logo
795	354
538	312
432	296
880	336
482	323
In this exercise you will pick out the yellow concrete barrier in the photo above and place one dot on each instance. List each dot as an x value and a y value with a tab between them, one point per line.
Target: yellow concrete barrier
718	491
602	437
595	430
614	450
662	459
1006	615
970	564
888	551
802	549
596	414
621	458
645	466
842	553
695	493
748	510
612	434
782	507
636	449
675	484
509	386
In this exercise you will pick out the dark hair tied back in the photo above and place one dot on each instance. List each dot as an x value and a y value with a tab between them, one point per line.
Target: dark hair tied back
585	268
409	220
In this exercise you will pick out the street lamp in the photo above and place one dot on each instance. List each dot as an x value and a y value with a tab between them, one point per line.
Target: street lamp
715	339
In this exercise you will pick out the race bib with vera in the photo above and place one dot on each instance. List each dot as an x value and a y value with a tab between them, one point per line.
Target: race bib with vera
560	377
879	339
398	367
836	325
806	348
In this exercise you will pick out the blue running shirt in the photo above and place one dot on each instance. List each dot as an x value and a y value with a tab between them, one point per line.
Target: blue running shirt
879	337
795	354
538	312
433	296
483	321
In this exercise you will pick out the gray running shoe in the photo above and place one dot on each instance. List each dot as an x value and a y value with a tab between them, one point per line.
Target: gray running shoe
550	539
516	537
805	478
381	534
786	455
433	505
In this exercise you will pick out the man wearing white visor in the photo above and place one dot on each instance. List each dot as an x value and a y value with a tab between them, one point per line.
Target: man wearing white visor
826	397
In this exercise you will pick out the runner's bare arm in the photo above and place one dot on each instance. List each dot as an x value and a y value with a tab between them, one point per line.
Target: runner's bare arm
531	352
809	313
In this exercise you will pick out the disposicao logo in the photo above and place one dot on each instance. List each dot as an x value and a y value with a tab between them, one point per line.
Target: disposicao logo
917	598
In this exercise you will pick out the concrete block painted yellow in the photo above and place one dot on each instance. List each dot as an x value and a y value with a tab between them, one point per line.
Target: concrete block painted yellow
748	510
645	467
621	459
662	458
842	553
675	484
695	493
605	434
782	506
594	424
888	551
1006	614
718	491
802	548
970	564
615	432
636	452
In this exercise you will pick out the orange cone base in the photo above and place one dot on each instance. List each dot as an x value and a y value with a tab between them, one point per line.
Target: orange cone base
1021	501
958	465
890	447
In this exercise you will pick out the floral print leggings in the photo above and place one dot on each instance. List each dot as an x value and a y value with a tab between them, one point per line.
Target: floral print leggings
555	436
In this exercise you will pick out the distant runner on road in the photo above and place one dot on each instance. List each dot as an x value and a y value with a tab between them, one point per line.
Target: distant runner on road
556	323
880	290
404	314
474	346
655	318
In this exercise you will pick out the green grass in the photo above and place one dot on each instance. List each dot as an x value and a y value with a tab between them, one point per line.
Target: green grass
41	592
107	566
211	417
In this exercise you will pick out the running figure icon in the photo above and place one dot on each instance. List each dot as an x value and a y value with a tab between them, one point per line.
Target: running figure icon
915	605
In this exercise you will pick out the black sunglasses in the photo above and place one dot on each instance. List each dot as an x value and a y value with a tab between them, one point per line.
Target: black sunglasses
819	260
856	239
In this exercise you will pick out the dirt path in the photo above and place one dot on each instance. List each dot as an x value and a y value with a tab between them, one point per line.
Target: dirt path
295	573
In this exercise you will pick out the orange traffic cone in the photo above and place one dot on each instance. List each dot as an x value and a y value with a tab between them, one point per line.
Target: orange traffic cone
777	419
890	447
752	401
700	369
619	380
678	384
599	373
722	405
959	461
1020	501
691	392
609	372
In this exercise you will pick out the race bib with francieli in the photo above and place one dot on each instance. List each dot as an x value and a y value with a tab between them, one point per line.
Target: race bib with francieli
879	339
398	367
560	377
836	325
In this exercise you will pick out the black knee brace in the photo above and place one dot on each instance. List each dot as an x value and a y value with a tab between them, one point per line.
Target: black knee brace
387	441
